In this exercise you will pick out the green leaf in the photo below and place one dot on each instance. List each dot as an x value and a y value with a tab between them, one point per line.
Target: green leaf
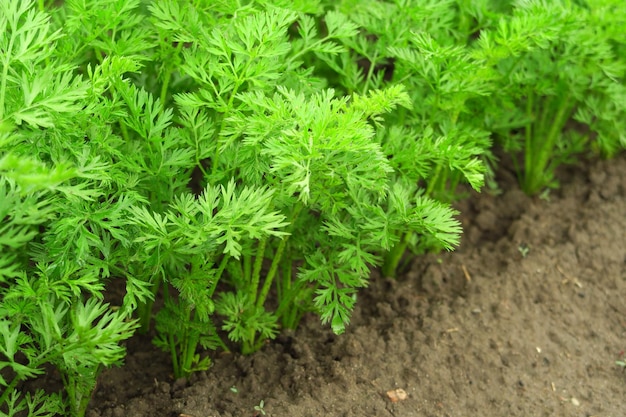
339	26
243	320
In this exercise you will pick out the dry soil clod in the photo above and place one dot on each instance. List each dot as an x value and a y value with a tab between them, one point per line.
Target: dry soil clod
397	394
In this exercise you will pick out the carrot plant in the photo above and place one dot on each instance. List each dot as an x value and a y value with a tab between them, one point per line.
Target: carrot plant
560	84
62	233
439	142
311	156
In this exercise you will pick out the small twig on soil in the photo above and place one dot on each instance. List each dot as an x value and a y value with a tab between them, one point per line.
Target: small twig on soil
568	278
468	277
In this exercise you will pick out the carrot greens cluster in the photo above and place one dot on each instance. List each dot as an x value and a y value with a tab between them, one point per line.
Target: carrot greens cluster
211	171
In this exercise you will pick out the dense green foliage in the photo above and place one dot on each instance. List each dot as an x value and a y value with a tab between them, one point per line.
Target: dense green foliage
248	162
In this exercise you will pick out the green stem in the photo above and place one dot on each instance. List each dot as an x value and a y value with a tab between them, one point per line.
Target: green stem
124	131
216	155
79	387
164	87
513	67
287	311
370	73
440	184
276	261
168	76
307	48
432	184
189	352
5	74
174	354
291	319
248	346
256	272
247	268
272	272
542	147
286	286
99	55
531	113
392	260
220	271
84	400
145	309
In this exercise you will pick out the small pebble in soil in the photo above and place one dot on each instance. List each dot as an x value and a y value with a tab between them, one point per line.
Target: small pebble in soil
397	394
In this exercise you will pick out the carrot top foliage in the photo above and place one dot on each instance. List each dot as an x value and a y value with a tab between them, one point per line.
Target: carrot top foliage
245	163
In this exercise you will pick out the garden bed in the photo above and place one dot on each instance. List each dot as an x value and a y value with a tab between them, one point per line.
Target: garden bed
526	318
184	181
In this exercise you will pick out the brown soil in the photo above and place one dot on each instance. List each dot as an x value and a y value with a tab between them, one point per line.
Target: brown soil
527	318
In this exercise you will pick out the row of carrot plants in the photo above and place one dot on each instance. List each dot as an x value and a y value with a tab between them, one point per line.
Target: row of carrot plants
245	163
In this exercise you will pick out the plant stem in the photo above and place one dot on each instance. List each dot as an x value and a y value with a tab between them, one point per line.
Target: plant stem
189	348
276	261
287	293
79	388
249	344
286	285
432	184
286	310
531	113
393	257
164	91
216	155
145	309
83	403
220	271
256	272
168	76
124	132
370	73
542	145
247	268
5	74
272	272
174	354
